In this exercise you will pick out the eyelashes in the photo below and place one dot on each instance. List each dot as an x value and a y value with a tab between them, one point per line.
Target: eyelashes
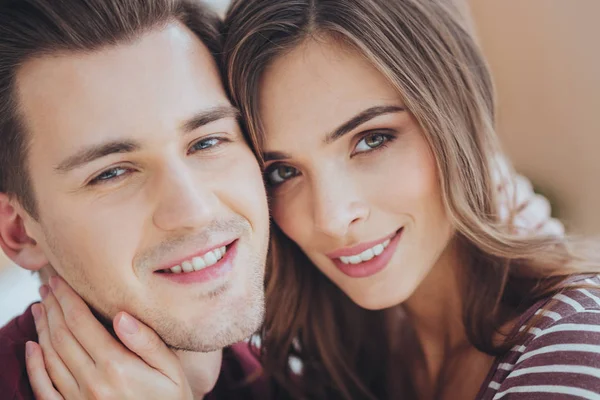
112	174
117	173
371	142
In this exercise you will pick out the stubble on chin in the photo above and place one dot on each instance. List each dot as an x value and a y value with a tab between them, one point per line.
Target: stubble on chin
239	318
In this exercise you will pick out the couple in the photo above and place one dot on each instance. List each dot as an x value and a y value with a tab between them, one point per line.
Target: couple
401	263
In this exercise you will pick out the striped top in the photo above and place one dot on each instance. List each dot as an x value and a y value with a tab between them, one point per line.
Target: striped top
559	358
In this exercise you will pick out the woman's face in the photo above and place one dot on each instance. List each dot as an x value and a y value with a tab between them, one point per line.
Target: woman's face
351	177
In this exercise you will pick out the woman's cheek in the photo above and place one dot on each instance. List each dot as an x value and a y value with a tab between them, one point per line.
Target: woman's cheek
289	217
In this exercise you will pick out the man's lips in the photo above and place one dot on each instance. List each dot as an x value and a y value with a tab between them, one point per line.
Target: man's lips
356	250
216	273
202	253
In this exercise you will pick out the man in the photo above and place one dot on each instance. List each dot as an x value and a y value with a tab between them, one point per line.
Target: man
123	170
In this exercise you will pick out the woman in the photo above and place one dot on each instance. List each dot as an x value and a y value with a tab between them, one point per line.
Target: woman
392	274
375	124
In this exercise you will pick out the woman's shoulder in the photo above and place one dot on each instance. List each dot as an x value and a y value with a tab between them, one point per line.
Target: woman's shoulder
581	302
560	355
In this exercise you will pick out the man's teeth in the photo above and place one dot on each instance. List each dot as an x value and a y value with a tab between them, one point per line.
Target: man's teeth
367	254
199	263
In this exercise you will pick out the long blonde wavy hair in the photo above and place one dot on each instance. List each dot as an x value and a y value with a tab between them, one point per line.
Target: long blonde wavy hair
426	50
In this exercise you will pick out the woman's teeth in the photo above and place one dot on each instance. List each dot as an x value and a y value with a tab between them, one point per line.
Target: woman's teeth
366	255
199	263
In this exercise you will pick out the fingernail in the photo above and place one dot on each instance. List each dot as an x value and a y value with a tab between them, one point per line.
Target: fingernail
44	290
128	325
53	282
36	311
29	349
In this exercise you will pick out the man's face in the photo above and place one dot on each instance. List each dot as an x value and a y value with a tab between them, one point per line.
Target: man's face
140	169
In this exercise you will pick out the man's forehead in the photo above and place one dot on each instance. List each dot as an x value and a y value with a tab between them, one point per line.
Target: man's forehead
155	82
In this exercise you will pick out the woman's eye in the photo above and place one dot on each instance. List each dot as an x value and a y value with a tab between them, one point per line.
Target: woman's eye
205	144
109	175
280	174
371	142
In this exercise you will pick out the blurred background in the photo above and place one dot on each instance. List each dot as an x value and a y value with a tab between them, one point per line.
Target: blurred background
545	58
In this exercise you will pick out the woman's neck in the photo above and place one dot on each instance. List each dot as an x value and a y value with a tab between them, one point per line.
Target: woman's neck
452	364
435	310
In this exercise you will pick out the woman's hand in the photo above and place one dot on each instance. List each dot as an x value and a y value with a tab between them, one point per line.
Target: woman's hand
77	358
527	212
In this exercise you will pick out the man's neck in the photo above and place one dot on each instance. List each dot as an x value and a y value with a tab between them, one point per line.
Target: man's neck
202	370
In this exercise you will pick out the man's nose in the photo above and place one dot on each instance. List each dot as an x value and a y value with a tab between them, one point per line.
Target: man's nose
184	200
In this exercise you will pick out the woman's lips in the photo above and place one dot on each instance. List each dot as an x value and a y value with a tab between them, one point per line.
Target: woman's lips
347	263
356	250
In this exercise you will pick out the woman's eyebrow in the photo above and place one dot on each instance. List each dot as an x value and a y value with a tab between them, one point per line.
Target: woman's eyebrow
348	126
275	156
360	119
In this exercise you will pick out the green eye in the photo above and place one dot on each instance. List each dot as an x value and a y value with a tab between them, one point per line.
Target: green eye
371	142
280	173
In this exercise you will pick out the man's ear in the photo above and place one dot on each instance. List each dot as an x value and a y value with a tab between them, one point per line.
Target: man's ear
14	240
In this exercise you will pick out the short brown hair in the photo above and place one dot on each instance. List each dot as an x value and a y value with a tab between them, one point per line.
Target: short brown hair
31	28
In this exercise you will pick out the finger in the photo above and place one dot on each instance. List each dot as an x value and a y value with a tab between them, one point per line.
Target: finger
70	351
533	214
57	370
526	197
552	227
501	172
86	329
38	376
504	214
514	193
520	192
144	342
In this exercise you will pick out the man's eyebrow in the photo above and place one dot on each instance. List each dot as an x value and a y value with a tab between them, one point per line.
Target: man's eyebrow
95	152
210	115
360	119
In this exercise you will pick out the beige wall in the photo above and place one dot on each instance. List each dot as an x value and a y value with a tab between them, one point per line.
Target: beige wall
545	56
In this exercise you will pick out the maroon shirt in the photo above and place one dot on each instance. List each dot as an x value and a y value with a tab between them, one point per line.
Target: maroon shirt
559	358
239	365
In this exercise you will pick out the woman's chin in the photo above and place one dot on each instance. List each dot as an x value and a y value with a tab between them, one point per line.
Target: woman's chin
375	300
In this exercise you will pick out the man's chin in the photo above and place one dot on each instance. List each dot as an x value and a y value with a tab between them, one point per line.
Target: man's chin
203	347
209	345
227	329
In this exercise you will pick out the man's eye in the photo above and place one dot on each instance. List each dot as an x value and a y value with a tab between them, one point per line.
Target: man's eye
205	144
371	142
109	175
279	174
